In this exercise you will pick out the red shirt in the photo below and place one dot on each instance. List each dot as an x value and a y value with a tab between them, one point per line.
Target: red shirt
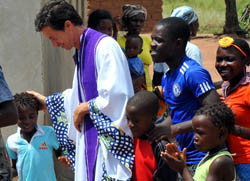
145	164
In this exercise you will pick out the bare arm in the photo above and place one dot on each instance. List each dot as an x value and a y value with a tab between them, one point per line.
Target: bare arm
8	114
209	97
13	168
241	131
217	84
222	168
164	130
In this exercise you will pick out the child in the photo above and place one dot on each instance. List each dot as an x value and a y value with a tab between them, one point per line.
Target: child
101	20
141	113
133	48
211	125
31	147
232	57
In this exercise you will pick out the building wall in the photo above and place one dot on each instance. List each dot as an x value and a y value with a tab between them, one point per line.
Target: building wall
29	61
20	49
154	9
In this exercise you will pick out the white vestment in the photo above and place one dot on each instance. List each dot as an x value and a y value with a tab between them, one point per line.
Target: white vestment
114	88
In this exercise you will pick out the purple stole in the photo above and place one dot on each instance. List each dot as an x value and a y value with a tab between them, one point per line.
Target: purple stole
87	77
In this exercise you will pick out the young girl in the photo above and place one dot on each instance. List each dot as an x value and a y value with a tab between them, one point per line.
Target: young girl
31	148
231	60
211	125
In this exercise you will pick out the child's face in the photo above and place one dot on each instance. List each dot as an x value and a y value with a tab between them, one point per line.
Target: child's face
138	121
206	135
133	48
27	119
105	26
229	64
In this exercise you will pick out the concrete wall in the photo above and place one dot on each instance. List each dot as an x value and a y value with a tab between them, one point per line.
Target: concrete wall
20	48
29	61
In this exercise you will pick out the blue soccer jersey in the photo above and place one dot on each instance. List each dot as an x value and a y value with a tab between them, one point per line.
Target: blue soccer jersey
182	88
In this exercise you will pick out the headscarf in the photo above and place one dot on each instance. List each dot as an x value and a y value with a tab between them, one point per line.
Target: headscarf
130	11
186	13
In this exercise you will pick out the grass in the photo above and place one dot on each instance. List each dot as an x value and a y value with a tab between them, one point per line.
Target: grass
211	13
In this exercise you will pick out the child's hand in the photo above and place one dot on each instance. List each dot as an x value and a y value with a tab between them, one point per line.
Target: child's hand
65	161
174	158
173	150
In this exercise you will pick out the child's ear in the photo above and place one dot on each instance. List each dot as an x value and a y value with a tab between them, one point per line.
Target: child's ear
179	43
140	51
223	133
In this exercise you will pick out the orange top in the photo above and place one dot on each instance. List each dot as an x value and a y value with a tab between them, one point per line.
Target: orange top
239	101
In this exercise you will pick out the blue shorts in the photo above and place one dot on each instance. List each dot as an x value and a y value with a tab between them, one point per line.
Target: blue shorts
243	171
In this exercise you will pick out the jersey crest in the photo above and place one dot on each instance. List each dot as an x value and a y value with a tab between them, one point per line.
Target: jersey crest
176	90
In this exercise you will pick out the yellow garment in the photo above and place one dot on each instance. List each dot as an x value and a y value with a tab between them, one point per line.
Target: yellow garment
202	170
145	56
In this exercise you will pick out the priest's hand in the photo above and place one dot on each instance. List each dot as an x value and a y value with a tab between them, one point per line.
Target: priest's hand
41	98
79	113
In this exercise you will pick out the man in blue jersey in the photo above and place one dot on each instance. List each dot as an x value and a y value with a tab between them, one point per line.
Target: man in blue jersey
186	85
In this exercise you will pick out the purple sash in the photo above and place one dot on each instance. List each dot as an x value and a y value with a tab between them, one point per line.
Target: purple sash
87	77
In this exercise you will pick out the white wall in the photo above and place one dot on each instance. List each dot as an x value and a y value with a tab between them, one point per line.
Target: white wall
28	60
20	48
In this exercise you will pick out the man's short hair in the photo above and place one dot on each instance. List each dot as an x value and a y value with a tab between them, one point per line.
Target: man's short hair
176	28
54	14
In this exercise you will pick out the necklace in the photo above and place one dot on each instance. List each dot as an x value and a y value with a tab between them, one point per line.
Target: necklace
212	155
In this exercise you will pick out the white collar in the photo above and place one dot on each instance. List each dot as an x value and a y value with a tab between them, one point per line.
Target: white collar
39	130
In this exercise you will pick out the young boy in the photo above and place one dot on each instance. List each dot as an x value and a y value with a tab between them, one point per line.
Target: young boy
133	48
211	125
141	113
31	148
